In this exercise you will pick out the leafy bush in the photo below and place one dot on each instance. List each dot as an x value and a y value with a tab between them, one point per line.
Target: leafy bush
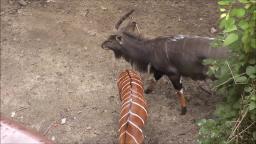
236	115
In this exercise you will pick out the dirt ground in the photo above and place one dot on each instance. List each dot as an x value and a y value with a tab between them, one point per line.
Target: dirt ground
52	68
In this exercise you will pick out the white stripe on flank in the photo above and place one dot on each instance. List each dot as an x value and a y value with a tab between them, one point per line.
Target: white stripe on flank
135	125
124	108
128	81
134	114
128	87
137	93
126	94
129	135
126	103
140	106
118	81
122	126
133	82
124	86
134	96
133	93
130	123
123	116
122	134
123	105
132	137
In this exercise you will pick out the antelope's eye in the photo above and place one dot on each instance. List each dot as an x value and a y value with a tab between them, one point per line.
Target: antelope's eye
119	38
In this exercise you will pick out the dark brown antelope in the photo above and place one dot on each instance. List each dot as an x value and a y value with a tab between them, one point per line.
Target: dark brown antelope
173	56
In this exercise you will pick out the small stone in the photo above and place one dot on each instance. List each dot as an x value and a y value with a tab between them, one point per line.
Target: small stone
179	19
63	121
88	128
200	19
19	11
85	48
96	132
13	114
53	138
22	2
50	1
92	33
213	30
103	8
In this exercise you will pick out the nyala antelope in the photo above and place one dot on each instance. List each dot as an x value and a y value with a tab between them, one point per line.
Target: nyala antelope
173	56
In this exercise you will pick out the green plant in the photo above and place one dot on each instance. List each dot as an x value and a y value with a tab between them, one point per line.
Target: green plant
236	82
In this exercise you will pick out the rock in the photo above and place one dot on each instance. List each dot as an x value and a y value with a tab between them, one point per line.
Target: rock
50	1
88	128
213	30
63	121
13	114
92	33
103	8
22	2
53	138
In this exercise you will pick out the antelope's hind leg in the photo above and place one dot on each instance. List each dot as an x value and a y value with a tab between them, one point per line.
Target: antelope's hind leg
152	82
177	84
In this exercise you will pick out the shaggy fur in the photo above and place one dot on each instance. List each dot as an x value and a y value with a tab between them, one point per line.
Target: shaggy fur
174	56
170	55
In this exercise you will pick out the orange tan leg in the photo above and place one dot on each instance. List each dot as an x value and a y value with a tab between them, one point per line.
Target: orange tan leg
182	100
177	84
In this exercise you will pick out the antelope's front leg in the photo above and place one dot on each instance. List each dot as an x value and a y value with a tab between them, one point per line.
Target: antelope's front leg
177	84
152	82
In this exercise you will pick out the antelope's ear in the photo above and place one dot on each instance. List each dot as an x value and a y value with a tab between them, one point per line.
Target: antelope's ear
119	39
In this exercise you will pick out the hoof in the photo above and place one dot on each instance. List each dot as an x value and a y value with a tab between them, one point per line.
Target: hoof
183	110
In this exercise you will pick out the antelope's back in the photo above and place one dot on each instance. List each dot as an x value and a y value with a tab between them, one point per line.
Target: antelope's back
188	52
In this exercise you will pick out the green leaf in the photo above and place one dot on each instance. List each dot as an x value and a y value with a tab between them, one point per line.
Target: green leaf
232	37
254	135
252	61
253	98
253	43
230	21
230	24
252	105
222	9
248	89
247	6
222	23
243	24
230	28
238	12
223	15
243	1
251	71
253	117
224	2
241	79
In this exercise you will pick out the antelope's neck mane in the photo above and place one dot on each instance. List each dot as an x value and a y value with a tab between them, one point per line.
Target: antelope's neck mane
136	51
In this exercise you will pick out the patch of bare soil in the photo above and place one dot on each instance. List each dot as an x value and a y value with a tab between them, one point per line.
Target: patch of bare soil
52	68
